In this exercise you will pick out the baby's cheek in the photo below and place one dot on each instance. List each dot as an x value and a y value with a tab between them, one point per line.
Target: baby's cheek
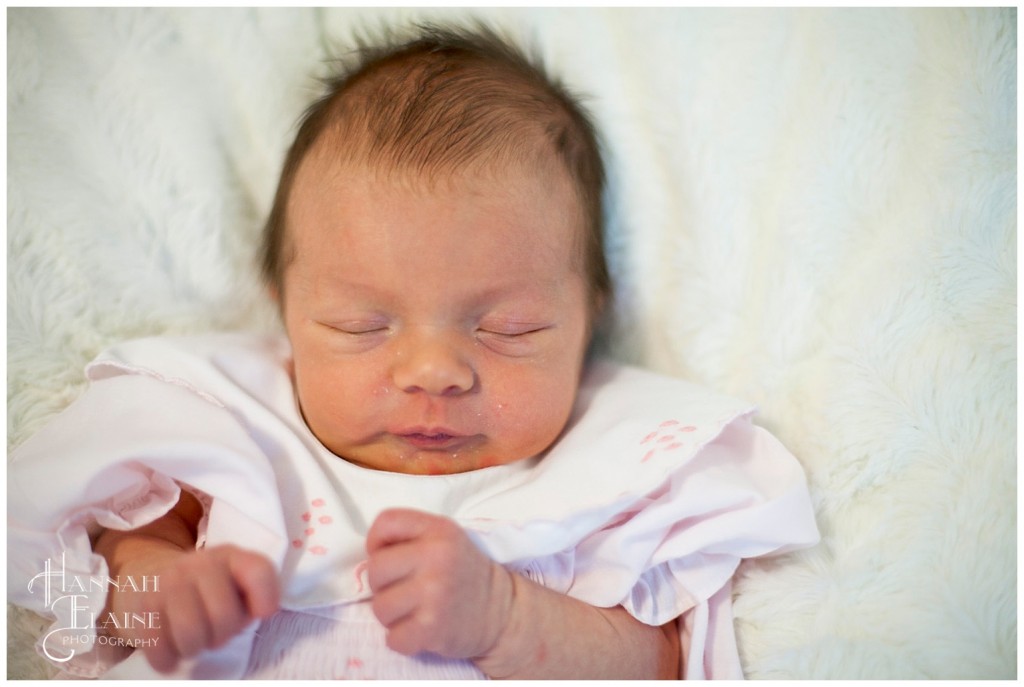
339	400
531	425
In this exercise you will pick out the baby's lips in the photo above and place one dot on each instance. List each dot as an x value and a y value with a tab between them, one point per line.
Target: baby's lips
433	438
434	443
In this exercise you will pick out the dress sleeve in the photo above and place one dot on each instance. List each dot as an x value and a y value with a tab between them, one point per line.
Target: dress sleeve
672	554
122	452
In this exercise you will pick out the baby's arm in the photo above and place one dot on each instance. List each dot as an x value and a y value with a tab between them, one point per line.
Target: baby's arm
204	597
552	636
435	591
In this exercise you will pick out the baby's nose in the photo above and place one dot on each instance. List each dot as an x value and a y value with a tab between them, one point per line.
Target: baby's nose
433	365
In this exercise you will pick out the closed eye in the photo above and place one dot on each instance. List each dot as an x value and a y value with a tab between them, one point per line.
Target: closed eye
511	332
513	341
358	328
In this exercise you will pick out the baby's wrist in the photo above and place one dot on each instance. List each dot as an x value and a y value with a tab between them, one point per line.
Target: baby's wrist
506	654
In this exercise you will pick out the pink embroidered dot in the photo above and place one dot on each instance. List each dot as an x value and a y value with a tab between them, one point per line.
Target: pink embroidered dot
669	423
307	516
309	531
688	428
317	550
647	457
317	502
664	439
648	437
355	663
325	520
673	447
297	543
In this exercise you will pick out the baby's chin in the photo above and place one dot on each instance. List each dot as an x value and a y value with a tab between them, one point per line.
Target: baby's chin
429	462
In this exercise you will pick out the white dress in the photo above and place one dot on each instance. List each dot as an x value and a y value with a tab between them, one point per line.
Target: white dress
649	500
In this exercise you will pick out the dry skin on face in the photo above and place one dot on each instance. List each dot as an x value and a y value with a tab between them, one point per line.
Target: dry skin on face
435	328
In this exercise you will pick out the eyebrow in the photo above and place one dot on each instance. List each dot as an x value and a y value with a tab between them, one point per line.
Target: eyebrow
532	290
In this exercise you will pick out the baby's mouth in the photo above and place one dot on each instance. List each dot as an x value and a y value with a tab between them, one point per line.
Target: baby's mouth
433	439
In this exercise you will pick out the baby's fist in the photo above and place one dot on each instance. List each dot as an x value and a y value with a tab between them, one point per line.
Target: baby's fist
433	589
205	598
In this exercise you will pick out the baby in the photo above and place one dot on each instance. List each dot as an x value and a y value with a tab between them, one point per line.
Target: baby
435	249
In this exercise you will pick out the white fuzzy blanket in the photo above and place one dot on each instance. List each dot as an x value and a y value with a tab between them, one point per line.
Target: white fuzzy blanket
811	209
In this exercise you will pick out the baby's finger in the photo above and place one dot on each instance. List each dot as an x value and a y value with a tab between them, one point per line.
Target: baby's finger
223	607
161	655
387	566
258	582
190	627
395	603
410	635
159	649
397	525
189	630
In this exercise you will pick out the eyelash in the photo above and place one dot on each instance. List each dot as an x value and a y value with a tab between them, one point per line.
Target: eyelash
361	330
358	330
510	334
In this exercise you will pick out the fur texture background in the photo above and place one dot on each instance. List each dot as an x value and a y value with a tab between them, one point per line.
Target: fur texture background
812	209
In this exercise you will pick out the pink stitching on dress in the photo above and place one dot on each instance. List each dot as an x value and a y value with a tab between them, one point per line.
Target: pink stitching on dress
176	381
317	549
360	569
666	438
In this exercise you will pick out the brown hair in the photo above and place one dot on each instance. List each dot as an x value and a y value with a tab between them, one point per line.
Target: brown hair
439	101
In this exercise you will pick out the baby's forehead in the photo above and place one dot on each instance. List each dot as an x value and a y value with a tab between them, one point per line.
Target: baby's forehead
328	180
327	169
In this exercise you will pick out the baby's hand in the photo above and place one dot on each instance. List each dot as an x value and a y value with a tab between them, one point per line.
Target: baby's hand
433	589
204	598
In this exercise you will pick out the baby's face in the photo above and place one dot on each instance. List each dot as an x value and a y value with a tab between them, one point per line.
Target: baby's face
434	330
